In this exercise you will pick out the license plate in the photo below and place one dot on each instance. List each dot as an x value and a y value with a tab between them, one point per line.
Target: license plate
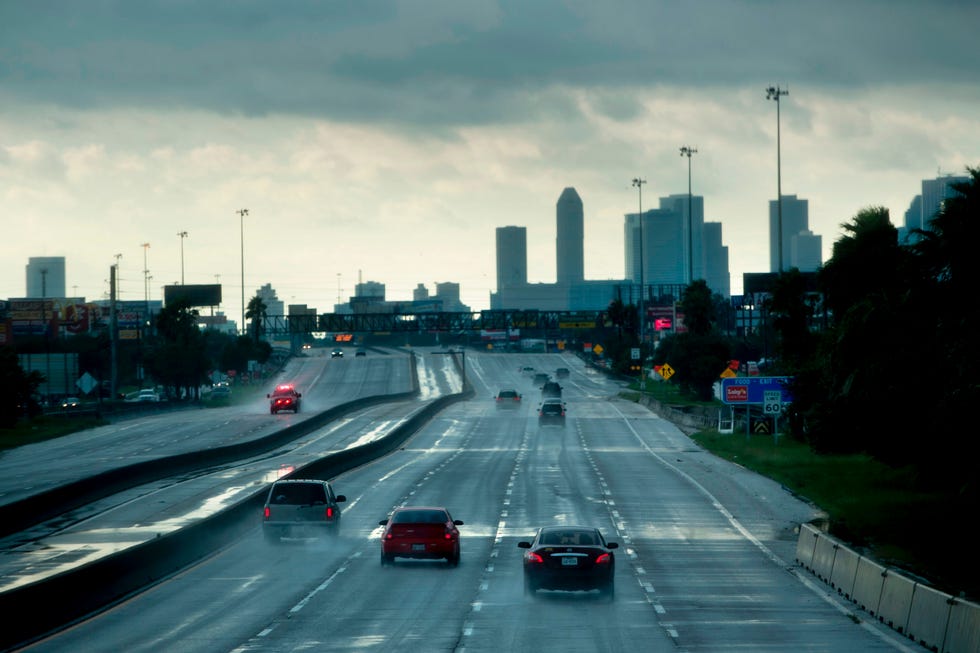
418	547
569	562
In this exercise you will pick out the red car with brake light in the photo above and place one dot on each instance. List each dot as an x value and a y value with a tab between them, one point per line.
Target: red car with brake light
284	397
424	532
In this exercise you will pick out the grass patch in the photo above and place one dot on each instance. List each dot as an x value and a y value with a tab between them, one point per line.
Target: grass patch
882	511
44	428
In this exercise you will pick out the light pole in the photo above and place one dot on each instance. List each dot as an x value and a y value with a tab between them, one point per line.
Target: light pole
146	283
774	93
241	217
118	257
183	235
688	152
638	183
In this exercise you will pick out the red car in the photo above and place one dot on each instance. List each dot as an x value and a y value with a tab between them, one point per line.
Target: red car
284	397
420	532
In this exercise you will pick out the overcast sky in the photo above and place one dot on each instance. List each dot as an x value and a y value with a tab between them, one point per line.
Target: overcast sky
387	140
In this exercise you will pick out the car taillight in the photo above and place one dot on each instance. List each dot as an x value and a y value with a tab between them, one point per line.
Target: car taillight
534	557
329	512
603	559
389	536
267	512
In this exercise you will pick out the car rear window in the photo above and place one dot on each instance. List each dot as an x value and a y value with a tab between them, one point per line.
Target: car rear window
551	409
507	394
572	538
298	493
420	517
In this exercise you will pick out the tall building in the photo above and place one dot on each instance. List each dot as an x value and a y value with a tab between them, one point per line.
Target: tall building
693	241
806	251
511	257
46	276
934	193
570	239
796	218
662	249
273	305
715	260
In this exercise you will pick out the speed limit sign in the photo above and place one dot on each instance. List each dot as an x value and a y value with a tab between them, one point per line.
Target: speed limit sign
772	402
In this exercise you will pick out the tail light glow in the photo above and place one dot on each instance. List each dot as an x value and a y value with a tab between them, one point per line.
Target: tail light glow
535	558
266	513
603	559
329	512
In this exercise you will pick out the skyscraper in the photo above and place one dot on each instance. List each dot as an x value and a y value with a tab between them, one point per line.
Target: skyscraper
796	216
511	257
46	276
570	240
679	203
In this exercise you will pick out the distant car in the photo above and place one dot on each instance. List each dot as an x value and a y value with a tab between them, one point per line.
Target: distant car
360	352
148	395
569	558
562	372
337	353
220	391
540	378
300	508
551	411
284	397
527	369
508	399
70	403
425	532
551	389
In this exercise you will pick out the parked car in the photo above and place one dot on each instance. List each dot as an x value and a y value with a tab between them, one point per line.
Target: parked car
148	395
284	397
569	558
508	399
420	532
551	411
301	508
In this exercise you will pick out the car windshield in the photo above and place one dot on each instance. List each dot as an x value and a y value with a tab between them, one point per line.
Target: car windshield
298	493
420	517
568	537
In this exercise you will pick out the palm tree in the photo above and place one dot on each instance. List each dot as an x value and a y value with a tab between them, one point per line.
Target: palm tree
257	312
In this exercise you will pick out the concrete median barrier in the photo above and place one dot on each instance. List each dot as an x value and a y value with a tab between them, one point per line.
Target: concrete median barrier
47	605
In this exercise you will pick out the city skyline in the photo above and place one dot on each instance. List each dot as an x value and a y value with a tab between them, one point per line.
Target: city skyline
389	145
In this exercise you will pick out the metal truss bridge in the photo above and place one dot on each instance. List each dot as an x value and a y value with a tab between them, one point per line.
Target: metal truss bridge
431	322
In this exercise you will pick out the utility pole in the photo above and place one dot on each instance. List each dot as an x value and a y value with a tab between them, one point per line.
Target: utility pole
183	235
241	217
638	184
774	93
688	152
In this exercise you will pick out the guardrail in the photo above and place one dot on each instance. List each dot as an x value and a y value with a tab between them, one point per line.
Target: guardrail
936	620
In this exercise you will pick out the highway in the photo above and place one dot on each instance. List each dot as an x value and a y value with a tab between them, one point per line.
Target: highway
705	564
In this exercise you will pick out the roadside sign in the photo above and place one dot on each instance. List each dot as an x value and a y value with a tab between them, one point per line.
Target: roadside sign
772	402
727	373
666	371
634	353
751	390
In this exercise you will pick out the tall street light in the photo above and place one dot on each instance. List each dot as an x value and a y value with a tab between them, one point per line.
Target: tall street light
774	93
146	282
638	184
183	235
241	217
688	152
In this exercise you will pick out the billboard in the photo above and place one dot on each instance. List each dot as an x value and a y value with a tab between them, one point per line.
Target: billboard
195	295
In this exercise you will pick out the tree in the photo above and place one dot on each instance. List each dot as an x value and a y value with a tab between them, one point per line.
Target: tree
18	389
178	356
256	311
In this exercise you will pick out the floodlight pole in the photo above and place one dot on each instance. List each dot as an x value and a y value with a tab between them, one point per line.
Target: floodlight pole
688	151
638	184
774	93
241	215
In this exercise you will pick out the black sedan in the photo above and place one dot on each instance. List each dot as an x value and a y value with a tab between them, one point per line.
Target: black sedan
569	558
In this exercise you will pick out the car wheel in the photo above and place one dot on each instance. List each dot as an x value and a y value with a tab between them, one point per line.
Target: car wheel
454	558
609	590
386	560
529	587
